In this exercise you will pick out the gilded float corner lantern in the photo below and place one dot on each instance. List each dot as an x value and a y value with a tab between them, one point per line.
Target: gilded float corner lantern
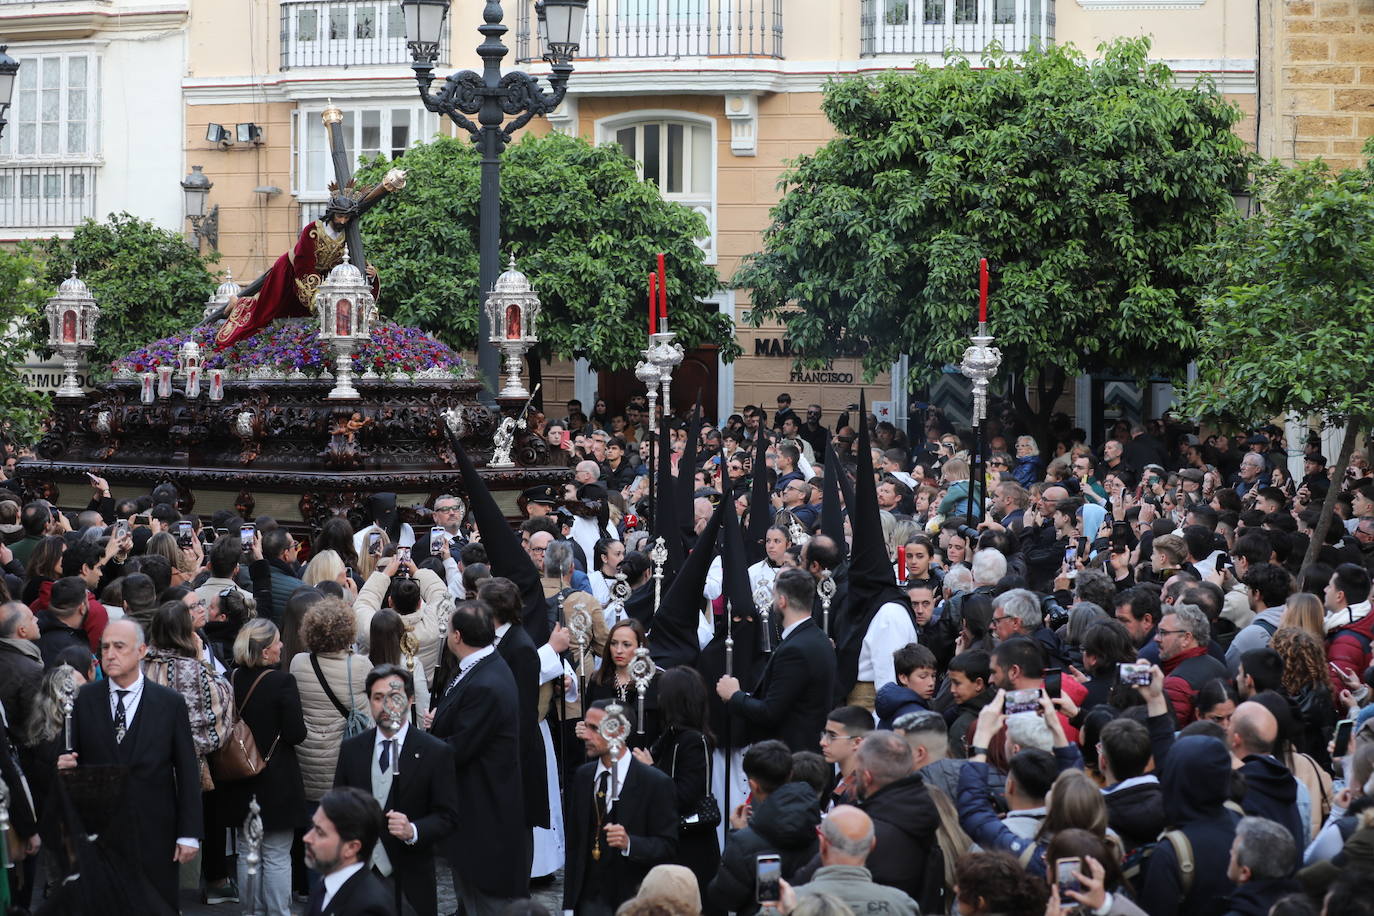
72	315
513	314
345	309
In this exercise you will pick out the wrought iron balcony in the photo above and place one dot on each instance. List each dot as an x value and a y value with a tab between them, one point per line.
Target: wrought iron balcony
667	29
345	33
969	26
34	195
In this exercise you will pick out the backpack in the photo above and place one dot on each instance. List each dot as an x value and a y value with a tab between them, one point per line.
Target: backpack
1266	626
1135	860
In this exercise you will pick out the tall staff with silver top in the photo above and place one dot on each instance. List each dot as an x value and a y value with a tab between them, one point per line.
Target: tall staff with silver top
763	603
641	672
659	556
979	364
826	589
252	837
613	728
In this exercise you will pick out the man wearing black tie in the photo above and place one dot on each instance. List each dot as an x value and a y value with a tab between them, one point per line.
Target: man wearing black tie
343	833
128	721
410	774
616	833
479	718
794	690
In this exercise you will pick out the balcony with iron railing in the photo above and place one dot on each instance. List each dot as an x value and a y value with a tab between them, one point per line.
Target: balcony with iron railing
666	29
42	196
971	27
345	33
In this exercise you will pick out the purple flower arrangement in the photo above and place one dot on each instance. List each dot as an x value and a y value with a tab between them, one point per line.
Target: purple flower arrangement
293	346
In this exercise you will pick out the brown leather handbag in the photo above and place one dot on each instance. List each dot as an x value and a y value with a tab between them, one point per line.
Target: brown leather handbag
238	758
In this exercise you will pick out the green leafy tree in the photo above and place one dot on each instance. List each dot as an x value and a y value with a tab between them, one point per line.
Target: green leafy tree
21	303
1085	184
147	281
1286	326
583	227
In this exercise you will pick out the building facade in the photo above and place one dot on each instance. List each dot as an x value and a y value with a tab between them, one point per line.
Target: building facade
711	97
95	125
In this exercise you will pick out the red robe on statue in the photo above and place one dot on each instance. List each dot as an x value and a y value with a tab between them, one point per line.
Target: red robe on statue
290	287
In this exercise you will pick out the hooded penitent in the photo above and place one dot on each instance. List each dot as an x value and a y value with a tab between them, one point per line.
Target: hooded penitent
760	506
381	508
673	637
506	556
872	582
686	479
832	512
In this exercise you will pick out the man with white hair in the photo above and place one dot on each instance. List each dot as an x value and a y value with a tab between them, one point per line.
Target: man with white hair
587	472
1017	612
989	566
1251	473
847	838
1262	858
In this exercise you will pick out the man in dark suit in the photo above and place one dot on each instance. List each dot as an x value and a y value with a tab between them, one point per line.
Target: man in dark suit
128	721
794	690
615	833
514	645
479	717
338	845
410	774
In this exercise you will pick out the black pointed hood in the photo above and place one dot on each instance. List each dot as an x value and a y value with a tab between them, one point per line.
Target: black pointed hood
686	478
760	507
504	553
832	513
739	602
673	638
872	582
666	523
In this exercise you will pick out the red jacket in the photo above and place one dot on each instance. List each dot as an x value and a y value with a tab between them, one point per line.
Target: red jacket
96	615
1184	675
1349	647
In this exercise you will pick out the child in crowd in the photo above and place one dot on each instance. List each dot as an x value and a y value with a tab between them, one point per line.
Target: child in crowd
969	684
915	668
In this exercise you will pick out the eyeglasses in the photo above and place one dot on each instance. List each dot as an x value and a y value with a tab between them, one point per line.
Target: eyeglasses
1163	632
453	508
996	620
538	549
199	602
828	736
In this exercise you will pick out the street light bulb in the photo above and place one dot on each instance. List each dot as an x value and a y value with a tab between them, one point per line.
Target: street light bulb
196	187
424	26
563	22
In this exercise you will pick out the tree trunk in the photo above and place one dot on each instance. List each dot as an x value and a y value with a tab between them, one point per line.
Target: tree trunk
1037	422
1352	435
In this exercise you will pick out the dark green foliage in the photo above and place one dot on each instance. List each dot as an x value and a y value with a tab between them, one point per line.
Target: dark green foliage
21	303
147	281
582	226
1085	184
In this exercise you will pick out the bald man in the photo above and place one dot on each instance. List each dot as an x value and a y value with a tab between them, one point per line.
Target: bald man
1270	789
1040	543
587	472
846	839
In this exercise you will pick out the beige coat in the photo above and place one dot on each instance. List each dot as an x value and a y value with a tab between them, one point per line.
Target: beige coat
428	624
324	726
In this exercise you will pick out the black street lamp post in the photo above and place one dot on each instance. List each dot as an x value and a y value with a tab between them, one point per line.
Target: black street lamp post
492	97
9	70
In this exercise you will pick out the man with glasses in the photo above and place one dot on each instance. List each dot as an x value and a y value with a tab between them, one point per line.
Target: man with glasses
795	497
1183	636
274	567
448	513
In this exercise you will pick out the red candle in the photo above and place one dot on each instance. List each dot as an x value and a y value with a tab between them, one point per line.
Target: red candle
662	292
652	296
982	290
901	564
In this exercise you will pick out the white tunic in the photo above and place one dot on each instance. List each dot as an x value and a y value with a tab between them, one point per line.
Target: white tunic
890	630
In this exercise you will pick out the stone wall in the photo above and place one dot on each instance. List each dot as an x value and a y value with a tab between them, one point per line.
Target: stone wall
1324	105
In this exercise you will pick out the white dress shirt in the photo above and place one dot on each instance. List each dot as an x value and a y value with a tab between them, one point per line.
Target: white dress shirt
336	879
398	742
467	664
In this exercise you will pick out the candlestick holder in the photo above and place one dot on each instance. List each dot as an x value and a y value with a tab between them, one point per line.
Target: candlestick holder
66	689
666	354
641	672
980	364
252	841
620	593
647	373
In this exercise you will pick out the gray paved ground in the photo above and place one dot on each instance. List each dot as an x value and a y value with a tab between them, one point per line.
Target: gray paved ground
551	897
